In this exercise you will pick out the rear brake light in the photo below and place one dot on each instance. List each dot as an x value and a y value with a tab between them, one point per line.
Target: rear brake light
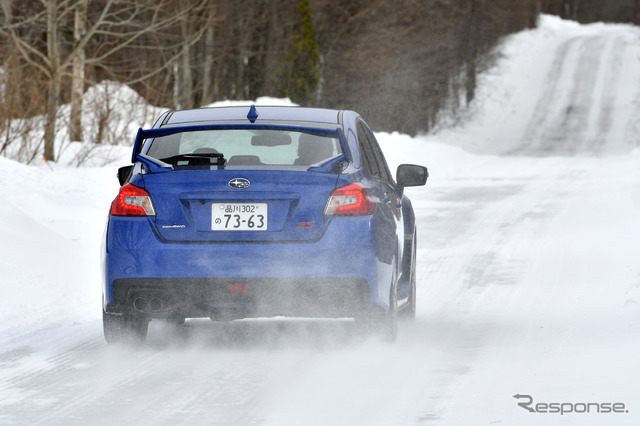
132	201
350	200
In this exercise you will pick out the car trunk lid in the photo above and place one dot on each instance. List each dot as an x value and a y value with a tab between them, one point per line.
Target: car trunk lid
211	205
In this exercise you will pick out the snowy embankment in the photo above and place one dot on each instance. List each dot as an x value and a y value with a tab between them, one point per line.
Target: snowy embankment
529	280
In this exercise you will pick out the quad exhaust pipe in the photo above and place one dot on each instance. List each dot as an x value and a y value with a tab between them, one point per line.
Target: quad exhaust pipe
144	305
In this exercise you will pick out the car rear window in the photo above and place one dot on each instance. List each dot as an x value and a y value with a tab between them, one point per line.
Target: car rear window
247	147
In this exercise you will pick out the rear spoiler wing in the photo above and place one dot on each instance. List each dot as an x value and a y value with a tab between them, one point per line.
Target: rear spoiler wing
158	165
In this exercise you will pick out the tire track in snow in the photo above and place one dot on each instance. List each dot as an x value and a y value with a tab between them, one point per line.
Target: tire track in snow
575	111
548	104
560	120
611	65
201	375
496	217
569	131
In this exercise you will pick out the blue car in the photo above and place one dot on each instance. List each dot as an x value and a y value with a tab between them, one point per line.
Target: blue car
248	212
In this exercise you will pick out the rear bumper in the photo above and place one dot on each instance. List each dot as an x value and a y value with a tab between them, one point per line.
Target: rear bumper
228	298
336	276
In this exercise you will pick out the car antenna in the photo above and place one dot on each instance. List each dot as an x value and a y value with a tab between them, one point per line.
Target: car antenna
253	114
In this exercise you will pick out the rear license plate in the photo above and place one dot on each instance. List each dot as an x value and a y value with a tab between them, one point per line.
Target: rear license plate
239	217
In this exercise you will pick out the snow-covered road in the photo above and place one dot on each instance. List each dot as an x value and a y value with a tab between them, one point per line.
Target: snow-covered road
529	279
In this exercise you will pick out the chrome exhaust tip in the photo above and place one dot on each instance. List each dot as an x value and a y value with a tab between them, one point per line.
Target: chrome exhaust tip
155	304
140	304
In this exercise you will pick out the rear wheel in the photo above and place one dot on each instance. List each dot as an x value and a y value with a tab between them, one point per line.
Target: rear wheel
125	328
384	324
390	325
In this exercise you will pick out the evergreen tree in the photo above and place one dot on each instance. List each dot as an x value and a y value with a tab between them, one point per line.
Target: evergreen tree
300	70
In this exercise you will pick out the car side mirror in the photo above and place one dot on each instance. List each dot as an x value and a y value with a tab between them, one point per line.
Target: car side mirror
124	173
411	175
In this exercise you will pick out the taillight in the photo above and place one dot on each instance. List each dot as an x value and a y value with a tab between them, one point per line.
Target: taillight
350	200
132	201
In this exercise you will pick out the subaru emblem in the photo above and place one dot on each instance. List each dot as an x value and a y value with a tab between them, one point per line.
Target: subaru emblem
239	183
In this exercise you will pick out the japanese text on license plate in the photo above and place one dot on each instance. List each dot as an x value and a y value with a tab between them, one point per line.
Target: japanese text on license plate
239	217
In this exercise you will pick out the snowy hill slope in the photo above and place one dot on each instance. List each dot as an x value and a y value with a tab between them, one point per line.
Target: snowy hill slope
562	88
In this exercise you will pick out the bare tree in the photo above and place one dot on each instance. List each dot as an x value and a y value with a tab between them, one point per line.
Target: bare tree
185	78
77	83
207	80
117	25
